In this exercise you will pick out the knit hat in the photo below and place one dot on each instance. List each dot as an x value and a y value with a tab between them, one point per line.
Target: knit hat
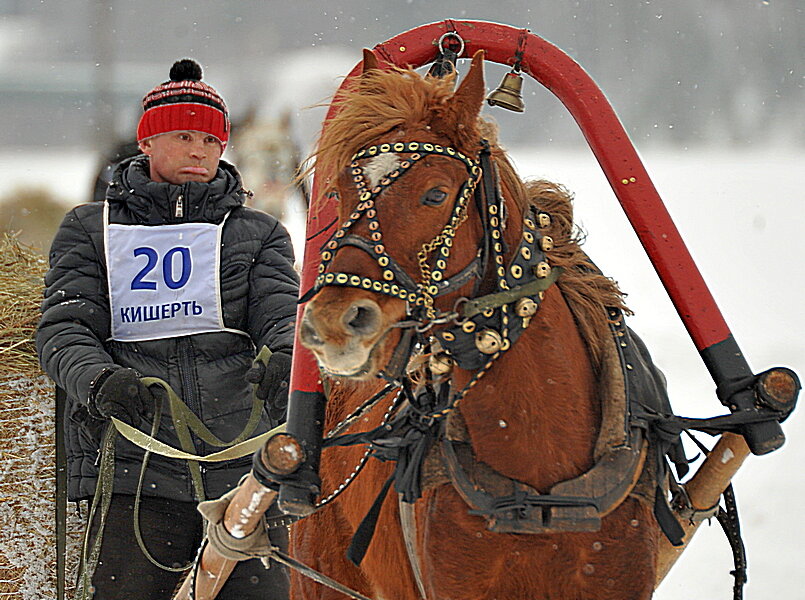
184	104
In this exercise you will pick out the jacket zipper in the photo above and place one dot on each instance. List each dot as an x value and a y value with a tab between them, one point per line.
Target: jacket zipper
184	351
179	212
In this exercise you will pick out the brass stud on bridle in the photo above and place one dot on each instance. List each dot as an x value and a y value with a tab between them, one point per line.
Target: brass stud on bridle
525	307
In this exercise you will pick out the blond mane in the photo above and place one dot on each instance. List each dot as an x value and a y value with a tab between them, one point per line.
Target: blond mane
380	101
377	102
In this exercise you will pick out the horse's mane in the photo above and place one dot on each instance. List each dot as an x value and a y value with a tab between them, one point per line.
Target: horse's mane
587	291
377	102
380	101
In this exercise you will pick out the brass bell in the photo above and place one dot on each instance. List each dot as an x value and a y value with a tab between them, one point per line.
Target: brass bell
542	270
525	307
508	95
440	364
488	341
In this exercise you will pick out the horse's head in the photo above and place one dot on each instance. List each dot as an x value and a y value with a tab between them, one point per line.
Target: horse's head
401	155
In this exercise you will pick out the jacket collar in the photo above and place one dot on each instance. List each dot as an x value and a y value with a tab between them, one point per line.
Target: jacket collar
151	202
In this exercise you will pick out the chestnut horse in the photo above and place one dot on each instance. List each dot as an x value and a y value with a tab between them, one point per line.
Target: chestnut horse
402	156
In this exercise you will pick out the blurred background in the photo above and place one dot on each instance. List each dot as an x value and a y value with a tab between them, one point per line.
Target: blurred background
681	74
72	72
711	93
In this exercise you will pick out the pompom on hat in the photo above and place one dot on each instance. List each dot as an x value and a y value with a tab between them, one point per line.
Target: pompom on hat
184	103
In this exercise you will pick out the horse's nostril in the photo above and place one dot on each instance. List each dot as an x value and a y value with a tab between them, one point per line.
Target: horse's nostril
308	334
362	318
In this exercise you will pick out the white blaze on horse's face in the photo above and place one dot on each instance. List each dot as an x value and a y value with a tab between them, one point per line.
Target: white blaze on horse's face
380	166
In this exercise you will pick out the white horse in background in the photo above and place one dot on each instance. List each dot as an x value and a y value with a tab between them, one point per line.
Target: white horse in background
268	159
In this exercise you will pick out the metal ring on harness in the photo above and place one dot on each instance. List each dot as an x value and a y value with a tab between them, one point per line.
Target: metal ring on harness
454	35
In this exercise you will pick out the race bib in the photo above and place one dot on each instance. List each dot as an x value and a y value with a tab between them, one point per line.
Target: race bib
163	280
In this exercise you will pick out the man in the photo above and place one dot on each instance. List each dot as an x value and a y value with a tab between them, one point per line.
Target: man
171	277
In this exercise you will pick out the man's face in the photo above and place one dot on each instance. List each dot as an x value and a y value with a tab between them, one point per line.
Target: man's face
181	156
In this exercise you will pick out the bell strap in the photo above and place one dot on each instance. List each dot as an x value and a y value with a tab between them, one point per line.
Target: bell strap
478	305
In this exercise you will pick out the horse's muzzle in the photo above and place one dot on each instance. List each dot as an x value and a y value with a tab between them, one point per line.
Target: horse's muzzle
342	336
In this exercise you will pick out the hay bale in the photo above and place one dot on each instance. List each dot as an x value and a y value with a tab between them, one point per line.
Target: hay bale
27	437
21	274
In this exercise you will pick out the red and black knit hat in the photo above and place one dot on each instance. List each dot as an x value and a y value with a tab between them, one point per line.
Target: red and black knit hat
184	104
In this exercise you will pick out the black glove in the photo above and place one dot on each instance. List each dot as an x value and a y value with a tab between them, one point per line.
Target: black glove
122	395
271	372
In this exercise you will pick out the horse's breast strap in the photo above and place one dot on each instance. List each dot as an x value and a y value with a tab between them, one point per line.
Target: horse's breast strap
510	506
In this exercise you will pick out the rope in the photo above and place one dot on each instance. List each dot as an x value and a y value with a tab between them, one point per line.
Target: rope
185	423
102	499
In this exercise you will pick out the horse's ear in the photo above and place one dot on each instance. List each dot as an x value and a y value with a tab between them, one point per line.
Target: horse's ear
469	96
369	60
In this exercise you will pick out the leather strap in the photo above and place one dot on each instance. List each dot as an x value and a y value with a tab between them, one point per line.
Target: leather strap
409	529
478	305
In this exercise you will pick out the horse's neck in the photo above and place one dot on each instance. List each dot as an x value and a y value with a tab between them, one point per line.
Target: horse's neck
345	396
534	416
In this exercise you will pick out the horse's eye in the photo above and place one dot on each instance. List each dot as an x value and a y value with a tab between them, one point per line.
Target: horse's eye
433	197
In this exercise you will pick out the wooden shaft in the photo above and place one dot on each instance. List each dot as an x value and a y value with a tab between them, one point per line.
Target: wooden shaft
704	490
242	517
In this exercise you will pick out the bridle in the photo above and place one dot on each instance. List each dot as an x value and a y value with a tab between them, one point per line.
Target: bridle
396	282
473	335
470	316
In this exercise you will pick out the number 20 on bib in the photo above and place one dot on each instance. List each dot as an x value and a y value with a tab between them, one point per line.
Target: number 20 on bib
163	280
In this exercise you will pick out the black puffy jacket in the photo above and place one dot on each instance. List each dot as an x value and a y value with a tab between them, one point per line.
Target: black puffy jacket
258	291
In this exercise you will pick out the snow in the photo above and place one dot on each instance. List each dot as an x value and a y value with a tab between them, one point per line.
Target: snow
28	523
740	213
68	173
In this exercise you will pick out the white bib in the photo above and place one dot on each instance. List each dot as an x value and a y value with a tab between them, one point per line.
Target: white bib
163	280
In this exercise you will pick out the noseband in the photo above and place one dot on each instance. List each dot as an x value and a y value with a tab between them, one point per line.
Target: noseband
483	327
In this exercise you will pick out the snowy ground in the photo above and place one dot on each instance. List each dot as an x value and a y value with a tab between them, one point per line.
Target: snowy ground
740	214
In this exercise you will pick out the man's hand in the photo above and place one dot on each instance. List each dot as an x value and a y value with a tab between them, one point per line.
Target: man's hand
271	372
122	395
